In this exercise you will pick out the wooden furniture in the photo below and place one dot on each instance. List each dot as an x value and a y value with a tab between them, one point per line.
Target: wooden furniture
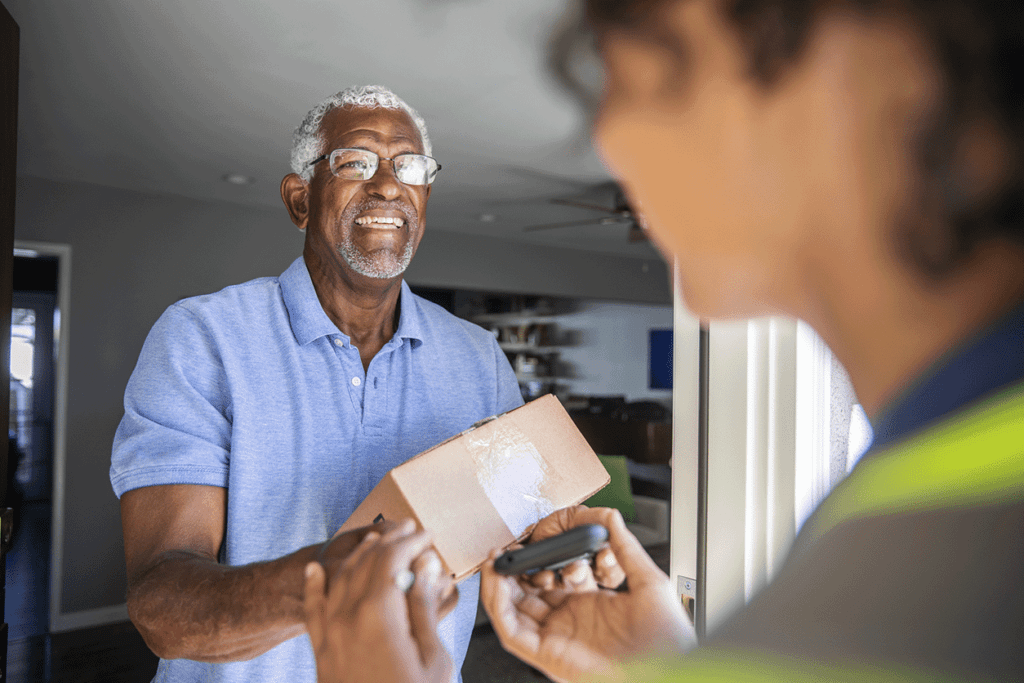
643	441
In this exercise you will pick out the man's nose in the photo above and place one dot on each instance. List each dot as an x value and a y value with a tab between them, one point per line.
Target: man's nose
384	183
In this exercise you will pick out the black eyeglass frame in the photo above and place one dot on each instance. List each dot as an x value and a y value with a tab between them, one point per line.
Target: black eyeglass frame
328	155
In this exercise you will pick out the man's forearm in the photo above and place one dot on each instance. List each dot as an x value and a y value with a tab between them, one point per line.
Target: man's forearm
187	606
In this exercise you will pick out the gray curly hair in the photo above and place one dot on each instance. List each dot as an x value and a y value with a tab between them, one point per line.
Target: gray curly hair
308	140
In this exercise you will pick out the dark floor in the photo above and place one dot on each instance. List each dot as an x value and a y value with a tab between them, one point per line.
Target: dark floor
487	662
116	654
109	654
28	571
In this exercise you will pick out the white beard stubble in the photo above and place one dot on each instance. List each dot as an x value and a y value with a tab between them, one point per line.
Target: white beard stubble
382	263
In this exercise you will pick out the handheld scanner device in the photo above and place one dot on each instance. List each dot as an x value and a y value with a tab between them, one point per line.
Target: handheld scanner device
553	553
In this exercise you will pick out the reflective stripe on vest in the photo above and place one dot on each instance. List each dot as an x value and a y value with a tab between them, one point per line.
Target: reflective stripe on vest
976	458
721	665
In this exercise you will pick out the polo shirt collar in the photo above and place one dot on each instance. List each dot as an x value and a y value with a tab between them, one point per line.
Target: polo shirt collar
309	321
410	319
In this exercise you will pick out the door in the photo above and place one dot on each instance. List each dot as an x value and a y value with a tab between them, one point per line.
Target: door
9	41
687	566
31	423
772	437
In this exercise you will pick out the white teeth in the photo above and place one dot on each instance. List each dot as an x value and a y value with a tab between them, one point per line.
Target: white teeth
367	220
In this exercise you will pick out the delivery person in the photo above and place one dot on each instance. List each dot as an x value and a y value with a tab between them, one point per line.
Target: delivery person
858	165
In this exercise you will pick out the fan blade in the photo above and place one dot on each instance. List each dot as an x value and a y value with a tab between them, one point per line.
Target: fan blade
611	220
636	233
549	178
549	199
584	205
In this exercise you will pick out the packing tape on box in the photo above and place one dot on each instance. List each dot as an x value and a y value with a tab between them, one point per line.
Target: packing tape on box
512	473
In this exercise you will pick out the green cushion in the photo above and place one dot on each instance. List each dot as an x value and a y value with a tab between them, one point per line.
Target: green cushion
617	494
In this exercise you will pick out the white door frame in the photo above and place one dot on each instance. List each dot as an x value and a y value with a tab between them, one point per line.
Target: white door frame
58	620
685	563
765	464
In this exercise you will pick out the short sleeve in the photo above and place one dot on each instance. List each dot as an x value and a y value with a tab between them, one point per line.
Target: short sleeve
176	427
509	396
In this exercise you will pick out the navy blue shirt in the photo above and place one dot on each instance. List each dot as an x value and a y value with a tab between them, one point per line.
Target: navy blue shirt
255	389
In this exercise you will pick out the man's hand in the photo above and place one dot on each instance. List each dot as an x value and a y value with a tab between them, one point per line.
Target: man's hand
571	628
364	627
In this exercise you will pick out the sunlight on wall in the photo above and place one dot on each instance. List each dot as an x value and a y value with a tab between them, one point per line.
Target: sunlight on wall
860	436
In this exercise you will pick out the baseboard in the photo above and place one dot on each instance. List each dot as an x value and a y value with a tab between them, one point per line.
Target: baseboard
100	616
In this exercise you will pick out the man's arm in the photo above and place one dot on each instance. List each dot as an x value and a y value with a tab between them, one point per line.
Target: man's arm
187	605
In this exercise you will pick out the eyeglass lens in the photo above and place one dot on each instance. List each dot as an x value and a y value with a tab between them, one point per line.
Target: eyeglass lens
360	164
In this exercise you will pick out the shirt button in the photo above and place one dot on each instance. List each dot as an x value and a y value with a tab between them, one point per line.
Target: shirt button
356	381
338	342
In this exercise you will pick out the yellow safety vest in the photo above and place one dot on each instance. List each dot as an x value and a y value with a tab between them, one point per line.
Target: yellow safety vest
975	458
972	459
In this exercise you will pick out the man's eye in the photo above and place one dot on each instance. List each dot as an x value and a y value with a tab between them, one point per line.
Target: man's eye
355	165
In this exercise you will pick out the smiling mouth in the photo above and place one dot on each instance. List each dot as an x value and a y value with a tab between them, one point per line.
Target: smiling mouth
386	222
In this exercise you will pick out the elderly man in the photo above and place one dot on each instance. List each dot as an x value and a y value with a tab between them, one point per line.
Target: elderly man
260	416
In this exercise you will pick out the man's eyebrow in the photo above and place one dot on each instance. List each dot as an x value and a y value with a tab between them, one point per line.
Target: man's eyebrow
363	133
408	150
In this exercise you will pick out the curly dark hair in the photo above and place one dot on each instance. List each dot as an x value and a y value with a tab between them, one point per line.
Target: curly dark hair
977	44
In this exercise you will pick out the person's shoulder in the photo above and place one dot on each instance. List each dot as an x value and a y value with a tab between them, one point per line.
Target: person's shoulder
440	321
234	301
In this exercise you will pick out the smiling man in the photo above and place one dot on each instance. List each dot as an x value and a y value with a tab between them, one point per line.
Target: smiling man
260	416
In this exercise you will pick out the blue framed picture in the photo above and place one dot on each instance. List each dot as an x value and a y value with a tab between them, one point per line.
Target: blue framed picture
660	359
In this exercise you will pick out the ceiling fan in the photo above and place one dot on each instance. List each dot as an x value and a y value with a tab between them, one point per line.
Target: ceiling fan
620	213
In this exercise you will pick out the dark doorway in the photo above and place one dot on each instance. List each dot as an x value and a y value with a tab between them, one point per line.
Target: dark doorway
34	325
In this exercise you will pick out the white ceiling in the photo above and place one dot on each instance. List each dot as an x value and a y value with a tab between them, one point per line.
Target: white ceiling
169	96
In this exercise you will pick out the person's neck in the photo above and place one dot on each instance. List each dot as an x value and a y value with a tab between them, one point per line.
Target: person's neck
364	308
887	327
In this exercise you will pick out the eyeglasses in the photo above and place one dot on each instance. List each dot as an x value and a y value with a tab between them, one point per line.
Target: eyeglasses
361	164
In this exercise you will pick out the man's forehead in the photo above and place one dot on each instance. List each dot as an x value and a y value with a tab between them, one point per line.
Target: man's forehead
378	124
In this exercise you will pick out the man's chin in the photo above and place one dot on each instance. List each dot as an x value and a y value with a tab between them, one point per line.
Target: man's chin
379	267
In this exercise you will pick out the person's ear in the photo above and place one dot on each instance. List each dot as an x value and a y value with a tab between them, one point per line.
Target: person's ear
295	195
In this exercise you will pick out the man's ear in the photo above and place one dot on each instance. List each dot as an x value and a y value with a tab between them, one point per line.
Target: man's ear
295	195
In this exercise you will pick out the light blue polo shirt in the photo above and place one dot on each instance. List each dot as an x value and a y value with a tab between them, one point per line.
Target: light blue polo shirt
253	388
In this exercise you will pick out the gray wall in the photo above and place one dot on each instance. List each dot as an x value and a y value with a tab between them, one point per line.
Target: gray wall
612	356
134	254
447	259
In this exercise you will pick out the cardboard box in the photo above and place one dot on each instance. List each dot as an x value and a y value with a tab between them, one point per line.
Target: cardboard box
488	486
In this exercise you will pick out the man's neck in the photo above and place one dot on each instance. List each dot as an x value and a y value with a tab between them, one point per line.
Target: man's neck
366	310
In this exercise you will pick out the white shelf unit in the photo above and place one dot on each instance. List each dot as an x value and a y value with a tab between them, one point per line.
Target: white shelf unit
548	351
515	347
518	318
